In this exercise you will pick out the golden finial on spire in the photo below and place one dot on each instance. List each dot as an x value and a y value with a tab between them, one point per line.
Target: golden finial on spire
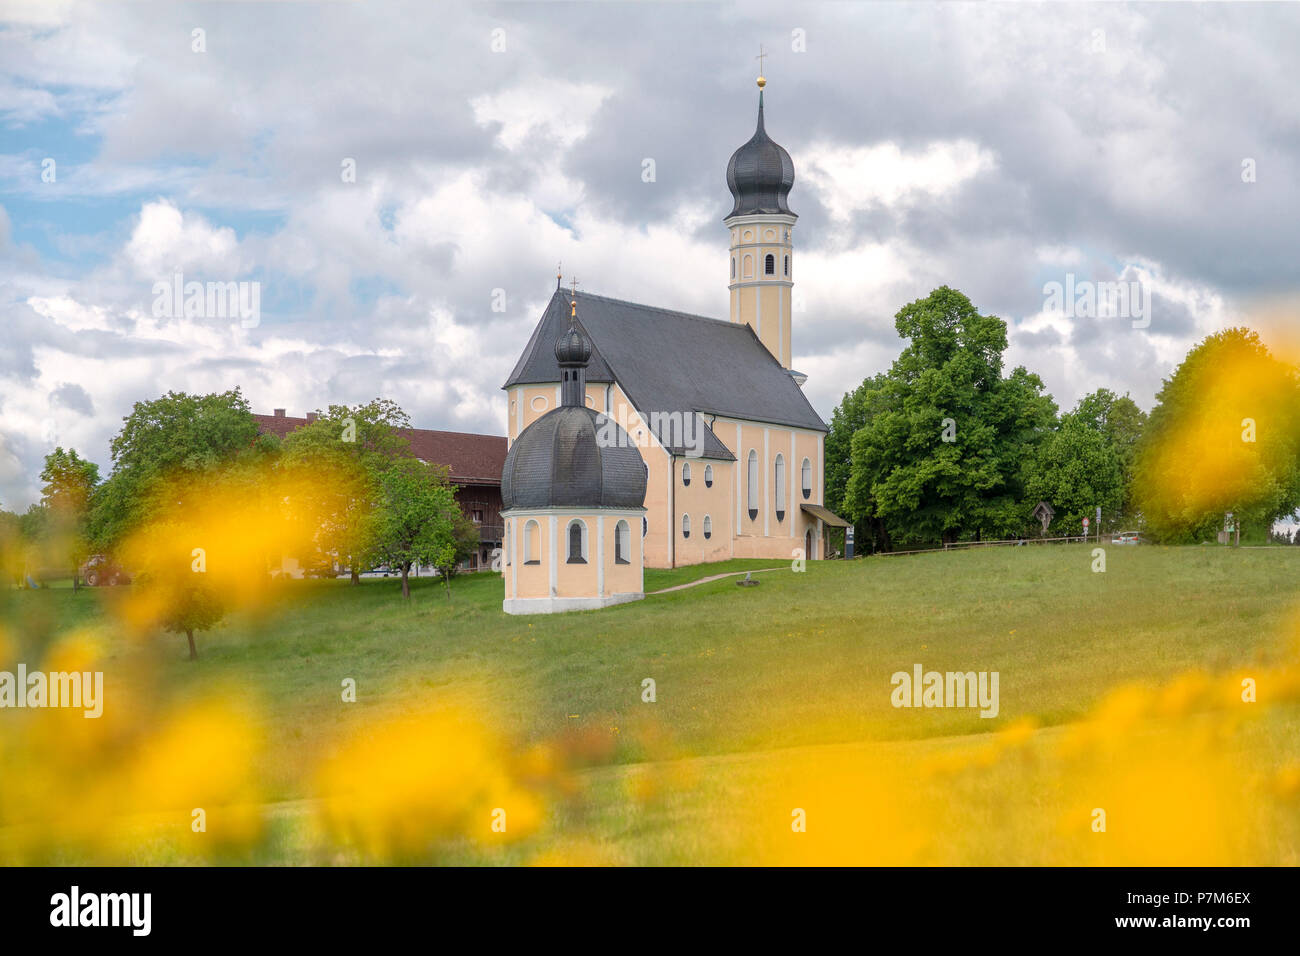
762	80
573	297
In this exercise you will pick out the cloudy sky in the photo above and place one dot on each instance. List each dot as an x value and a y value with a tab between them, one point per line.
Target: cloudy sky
992	147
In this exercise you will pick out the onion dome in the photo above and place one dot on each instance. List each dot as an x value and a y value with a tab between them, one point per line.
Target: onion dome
760	174
573	457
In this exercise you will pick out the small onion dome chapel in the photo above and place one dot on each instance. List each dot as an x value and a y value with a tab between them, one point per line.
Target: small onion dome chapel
572	494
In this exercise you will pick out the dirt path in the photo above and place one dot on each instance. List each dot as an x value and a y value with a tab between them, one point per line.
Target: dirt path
712	577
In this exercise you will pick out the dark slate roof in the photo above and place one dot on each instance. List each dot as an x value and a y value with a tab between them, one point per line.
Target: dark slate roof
760	174
537	364
557	462
672	362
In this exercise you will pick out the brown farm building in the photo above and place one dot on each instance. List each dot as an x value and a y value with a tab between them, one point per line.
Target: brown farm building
474	463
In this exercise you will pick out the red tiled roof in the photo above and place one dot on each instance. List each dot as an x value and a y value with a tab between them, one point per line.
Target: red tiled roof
476	459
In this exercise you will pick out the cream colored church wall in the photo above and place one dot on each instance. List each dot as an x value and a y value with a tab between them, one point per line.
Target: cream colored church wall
572	580
534	579
537	400
697	500
575	580
764	536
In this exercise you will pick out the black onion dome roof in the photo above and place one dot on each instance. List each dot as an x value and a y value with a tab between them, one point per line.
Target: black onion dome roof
556	463
572	347
760	174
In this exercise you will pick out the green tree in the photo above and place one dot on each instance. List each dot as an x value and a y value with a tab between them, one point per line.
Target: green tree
1077	470
1224	436
337	462
853	413
465	538
416	521
167	439
1120	421
69	481
945	452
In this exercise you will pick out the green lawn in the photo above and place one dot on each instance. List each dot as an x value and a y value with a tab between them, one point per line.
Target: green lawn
748	680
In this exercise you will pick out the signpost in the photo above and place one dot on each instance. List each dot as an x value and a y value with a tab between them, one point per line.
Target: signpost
848	543
1099	524
1085	526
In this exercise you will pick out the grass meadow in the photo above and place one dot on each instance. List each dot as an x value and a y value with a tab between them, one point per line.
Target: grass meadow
771	737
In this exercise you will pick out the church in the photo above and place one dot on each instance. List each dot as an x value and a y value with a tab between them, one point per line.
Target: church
645	437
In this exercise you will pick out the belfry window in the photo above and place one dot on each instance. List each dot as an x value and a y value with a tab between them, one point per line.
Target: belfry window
787	267
769	265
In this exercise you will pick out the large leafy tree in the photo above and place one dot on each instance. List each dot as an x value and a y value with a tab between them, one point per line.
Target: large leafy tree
336	463
1224	436
1077	470
853	413
944	450
164	441
1120	421
69	481
417	519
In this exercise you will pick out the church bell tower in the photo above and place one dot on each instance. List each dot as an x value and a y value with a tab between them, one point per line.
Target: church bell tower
760	175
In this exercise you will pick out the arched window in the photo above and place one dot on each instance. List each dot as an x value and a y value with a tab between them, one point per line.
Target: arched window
622	543
645	526
577	542
769	265
779	485
787	267
532	542
748	270
708	476
807	478
686	473
708	527
686	526
753	484
733	267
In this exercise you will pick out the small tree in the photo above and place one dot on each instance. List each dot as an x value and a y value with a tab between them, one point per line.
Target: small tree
69	482
337	462
416	521
195	606
465	541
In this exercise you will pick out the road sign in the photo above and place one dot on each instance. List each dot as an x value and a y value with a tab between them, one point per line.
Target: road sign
1085	523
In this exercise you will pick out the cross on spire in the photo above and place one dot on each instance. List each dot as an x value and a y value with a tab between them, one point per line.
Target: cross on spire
760	57
573	297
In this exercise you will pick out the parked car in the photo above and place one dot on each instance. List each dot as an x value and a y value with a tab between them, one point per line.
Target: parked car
100	571
1126	537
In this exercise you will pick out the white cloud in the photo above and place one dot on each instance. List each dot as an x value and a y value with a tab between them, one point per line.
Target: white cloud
849	179
561	109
